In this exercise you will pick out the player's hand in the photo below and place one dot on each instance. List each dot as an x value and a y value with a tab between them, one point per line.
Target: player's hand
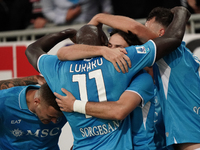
65	102
40	79
118	57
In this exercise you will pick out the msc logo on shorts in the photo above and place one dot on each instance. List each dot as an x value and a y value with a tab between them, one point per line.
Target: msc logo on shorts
141	50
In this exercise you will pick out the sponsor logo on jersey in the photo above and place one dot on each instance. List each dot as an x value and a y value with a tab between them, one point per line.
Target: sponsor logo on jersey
17	132
141	50
16	121
100	129
37	133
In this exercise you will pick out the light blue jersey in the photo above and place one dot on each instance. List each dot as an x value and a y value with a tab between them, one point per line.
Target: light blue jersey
159	136
143	116
178	85
96	79
21	129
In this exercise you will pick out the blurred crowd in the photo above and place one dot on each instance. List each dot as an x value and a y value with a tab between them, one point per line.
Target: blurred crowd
23	14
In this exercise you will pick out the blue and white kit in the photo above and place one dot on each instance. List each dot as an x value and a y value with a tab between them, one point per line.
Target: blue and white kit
96	79
22	129
178	84
142	116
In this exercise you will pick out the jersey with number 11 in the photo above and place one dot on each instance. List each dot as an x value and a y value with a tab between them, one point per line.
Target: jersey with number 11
96	79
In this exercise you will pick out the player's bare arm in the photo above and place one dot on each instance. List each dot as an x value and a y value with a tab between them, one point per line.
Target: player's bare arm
35	79
125	24
173	37
117	110
79	51
44	44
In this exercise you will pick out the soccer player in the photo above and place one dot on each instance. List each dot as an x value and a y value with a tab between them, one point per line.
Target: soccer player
29	118
74	75
35	79
88	132
178	82
137	97
171	74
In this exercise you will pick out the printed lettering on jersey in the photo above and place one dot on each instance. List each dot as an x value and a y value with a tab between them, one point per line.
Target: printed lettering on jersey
100	129
141	50
38	133
16	121
89	65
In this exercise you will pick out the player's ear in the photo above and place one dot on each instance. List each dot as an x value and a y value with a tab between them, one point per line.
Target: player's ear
161	32
36	101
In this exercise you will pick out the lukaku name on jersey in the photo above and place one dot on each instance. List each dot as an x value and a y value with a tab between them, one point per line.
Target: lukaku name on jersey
87	66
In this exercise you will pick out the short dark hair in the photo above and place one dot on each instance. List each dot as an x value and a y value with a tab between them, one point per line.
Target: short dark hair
164	16
47	95
130	38
91	35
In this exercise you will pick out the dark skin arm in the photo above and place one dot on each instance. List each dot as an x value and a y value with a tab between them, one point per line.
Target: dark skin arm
36	79
44	44
174	33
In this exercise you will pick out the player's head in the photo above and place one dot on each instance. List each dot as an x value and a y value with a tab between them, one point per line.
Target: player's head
159	19
91	35
46	107
122	39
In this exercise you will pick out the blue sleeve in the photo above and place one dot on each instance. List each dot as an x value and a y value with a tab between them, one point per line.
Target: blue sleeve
142	56
142	84
47	65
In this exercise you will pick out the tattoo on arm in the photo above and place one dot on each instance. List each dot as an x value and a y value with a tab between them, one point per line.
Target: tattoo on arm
5	84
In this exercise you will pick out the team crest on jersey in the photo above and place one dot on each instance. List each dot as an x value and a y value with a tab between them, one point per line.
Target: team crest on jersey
17	132
141	50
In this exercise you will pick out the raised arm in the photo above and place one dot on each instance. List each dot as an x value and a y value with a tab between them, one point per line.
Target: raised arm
125	24
166	44
174	33
35	79
44	44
